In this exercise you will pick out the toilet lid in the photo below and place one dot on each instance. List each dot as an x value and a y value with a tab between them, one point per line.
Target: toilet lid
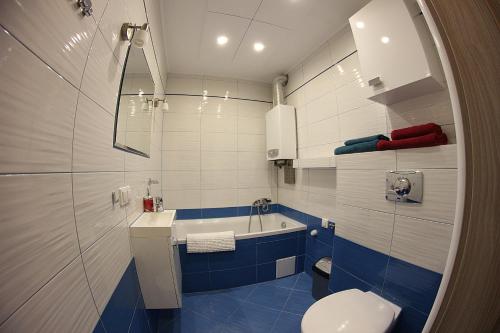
348	311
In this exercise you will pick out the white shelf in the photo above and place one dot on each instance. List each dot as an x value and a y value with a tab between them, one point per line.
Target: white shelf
313	163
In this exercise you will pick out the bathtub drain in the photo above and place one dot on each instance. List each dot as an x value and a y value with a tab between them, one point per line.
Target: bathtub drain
283	225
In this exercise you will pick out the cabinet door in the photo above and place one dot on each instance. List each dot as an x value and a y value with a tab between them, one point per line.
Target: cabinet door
389	48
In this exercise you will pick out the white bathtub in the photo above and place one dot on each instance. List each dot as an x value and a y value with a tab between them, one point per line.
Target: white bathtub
271	224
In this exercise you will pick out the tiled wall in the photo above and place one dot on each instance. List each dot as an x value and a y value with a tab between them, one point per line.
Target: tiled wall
214	144
63	246
398	250
253	261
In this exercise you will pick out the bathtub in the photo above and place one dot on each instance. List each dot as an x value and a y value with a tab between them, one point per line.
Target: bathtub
272	224
254	259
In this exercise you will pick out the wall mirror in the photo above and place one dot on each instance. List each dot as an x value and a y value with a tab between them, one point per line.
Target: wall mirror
134	108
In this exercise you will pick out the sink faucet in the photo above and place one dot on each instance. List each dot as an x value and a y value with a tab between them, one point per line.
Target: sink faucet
262	206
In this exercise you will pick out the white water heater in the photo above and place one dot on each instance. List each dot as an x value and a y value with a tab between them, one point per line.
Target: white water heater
281	133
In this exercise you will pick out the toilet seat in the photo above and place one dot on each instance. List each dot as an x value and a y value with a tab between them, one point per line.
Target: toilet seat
350	311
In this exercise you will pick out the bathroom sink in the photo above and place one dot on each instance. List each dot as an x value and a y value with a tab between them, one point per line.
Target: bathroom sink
153	224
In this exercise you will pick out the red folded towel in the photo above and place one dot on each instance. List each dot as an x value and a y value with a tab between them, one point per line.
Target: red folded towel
414	131
427	140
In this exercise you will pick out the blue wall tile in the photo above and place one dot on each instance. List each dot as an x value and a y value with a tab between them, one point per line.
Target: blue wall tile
195	282
140	321
244	255
266	272
219	212
293	214
411	285
230	278
366	264
410	321
299	263
192	262
316	249
272	251
120	309
188	214
273	238
342	280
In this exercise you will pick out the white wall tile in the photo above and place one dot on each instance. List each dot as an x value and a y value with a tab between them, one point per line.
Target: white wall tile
248	195
218	123
255	91
105	262
439	197
255	178
367	227
179	199
317	62
181	160
38	109
323	181
301	180
252	142
220	106
138	181
184	104
220	87
180	180
181	141
184	85
93	139
101	78
297	98
296	199
250	109
318	87
353	95
219	179
295	79
250	160
95	212
251	125
322	108
347	71
219	198
324	131
62	305
377	160
365	121
363	188
38	235
110	25
218	141
55	31
218	160
322	205
439	157
422	243
342	44
177	122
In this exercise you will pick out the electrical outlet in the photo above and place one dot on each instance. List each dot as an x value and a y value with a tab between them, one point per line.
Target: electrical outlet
331	225
324	223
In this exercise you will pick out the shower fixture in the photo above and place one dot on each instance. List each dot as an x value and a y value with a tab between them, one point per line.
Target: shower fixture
137	35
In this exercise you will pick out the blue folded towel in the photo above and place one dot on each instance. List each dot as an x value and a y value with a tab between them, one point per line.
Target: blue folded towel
366	139
357	148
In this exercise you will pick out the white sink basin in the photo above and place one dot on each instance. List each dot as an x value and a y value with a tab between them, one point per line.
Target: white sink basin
153	224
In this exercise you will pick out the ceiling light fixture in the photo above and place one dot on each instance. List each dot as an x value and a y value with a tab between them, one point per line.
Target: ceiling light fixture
222	40
258	46
385	39
360	24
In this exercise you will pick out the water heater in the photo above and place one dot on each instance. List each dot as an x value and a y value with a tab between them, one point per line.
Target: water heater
281	133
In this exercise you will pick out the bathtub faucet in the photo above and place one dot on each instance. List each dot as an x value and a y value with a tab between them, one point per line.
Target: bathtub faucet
262	206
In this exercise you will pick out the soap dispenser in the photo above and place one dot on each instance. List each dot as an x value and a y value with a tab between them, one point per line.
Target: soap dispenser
148	202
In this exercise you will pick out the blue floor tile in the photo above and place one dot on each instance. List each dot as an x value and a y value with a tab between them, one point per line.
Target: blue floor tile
269	296
285	282
215	306
299	302
238	293
231	278
251	318
190	322
304	282
287	323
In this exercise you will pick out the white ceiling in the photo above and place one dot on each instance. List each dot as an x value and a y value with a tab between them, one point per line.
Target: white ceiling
290	30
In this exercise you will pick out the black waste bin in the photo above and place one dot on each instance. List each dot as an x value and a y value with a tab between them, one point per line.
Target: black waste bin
321	275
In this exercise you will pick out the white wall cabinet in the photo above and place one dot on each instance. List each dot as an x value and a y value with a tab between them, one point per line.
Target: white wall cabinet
397	55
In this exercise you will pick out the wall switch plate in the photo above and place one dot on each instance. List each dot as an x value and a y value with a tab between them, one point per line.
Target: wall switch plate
124	195
324	223
404	186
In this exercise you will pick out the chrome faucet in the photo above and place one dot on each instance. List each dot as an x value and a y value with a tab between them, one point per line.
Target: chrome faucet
262	206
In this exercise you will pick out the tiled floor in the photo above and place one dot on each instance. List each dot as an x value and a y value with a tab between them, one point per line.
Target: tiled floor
267	307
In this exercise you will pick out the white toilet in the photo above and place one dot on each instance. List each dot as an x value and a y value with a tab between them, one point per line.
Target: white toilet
350	311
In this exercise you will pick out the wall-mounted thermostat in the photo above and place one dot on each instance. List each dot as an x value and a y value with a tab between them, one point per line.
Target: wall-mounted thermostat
404	186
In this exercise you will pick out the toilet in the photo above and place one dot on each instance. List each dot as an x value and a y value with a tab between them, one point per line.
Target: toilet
350	311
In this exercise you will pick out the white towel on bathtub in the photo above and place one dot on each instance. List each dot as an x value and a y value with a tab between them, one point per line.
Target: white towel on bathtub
210	242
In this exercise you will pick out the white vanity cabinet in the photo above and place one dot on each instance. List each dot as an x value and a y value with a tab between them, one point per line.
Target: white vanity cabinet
396	52
156	254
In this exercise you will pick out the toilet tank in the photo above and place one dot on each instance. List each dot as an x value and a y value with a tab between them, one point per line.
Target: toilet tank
281	133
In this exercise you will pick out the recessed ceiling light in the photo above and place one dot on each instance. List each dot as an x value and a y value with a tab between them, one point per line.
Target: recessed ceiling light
360	24
222	40
258	46
385	39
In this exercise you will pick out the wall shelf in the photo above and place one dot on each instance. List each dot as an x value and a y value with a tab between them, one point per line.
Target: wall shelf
313	163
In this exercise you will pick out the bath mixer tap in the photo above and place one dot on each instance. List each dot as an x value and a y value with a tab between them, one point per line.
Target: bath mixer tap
262	206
